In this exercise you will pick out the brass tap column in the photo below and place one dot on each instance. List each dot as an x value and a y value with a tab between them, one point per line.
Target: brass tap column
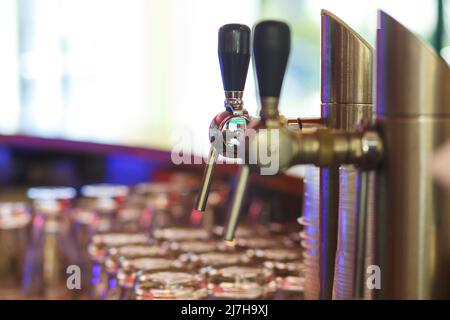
347	103
413	211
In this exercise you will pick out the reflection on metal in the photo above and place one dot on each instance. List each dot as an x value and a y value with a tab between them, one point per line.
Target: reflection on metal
239	190
413	212
206	180
347	103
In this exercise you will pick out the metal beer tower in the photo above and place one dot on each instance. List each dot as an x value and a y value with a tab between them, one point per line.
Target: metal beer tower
410	221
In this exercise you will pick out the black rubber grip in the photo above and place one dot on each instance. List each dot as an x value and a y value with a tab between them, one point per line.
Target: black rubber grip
234	55
271	46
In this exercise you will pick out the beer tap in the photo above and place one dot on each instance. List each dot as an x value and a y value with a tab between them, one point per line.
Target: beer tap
227	126
271	46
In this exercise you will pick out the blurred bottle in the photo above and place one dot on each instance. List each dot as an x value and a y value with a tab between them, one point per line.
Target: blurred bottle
97	211
51	250
14	230
107	201
117	255
158	202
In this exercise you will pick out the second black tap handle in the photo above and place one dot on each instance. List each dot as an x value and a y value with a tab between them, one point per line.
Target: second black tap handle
234	55
271	46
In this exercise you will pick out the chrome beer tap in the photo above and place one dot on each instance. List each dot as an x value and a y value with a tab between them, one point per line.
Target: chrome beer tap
227	126
271	46
268	104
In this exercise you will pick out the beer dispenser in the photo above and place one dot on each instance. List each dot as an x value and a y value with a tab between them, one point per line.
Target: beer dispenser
411	214
410	221
346	104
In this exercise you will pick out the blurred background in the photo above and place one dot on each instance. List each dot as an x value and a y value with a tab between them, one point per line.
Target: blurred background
130	71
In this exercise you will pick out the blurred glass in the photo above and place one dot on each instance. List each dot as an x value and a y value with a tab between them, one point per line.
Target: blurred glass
107	201
170	285
242	282
14	229
51	249
130	269
98	249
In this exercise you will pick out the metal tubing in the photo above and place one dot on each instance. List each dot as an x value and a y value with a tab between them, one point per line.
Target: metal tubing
206	180
236	201
346	92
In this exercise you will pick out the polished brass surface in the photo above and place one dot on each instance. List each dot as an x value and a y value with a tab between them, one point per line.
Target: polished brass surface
347	116
322	147
308	123
413	221
346	64
413	211
412	79
325	147
347	102
269	108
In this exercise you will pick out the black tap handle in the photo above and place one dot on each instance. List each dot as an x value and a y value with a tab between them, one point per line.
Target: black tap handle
234	55
271	46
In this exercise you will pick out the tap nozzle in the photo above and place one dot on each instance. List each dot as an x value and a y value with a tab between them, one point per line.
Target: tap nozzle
227	126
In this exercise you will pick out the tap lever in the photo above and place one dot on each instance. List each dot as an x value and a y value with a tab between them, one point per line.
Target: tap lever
234	55
234	58
271	46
